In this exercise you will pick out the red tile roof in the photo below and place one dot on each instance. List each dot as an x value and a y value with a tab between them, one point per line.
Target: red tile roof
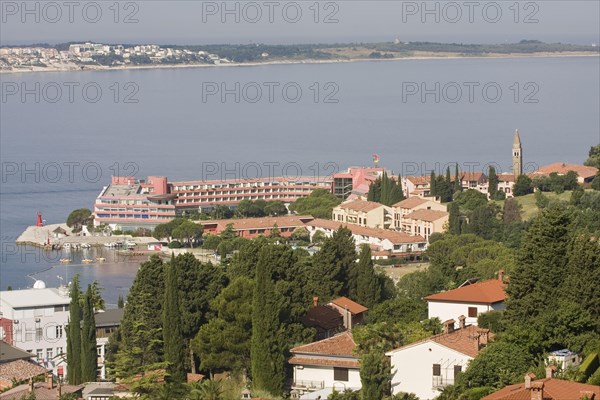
339	345
20	370
419	180
486	292
360	205
352	306
471	176
326	362
427	215
554	389
506	177
411	202
392	236
562	168
463	340
288	221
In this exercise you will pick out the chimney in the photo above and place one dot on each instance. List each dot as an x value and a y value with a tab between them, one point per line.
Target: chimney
537	390
587	395
449	326
482	338
49	383
30	385
461	322
315	301
550	371
528	378
501	275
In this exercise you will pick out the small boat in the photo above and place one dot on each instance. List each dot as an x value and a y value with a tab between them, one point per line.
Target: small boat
100	259
65	260
67	246
87	260
86	245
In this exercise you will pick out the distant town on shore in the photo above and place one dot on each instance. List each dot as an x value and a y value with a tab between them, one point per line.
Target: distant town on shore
93	56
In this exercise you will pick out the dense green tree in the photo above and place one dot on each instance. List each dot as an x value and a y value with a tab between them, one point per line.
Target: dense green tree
300	234
457	183
576	196
74	335
173	339
89	355
140	348
541	200
492	181
511	211
120	302
594	157
188	231
497	365
483	221
333	269
375	371
222	212
368	289
386	190
523	186
540	269
596	182
400	309
432	184
165	230
79	218
275	208
471	199
454	221
267	347
319	204
224	342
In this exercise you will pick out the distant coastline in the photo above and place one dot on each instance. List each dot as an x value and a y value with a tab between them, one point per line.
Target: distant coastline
70	67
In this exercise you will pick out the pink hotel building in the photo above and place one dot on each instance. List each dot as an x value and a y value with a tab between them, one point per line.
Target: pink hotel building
128	203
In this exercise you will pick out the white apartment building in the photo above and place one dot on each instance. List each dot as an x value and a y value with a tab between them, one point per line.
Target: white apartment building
34	320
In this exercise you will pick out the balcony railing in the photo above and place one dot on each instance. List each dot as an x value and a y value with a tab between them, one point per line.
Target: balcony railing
440	381
308	385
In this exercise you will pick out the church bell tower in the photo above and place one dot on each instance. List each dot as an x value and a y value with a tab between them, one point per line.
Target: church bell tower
517	155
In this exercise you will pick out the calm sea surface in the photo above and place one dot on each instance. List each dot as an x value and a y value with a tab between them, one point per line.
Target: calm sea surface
64	134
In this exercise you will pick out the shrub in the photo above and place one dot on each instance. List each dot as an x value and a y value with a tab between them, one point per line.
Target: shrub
175	244
589	365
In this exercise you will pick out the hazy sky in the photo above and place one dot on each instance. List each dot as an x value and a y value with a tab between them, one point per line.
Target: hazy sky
297	22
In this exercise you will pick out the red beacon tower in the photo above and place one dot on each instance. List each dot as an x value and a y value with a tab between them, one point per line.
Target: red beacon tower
39	222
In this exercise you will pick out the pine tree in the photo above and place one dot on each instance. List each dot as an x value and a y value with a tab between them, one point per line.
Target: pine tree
74	335
333	270
120	302
267	347
457	183
374	375
368	289
173	340
89	356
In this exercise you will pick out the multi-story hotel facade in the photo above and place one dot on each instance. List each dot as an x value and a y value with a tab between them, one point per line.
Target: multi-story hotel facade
128	203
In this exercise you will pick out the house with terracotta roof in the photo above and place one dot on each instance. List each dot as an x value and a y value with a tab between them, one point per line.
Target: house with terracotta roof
253	227
407	206
424	222
428	365
548	388
377	239
416	186
16	365
47	390
363	213
585	174
328	363
471	299
473	180
324	319
352	313
506	183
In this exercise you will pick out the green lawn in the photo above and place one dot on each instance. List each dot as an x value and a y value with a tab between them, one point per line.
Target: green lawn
528	202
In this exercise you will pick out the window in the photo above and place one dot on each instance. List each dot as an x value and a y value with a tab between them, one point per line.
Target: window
457	370
59	351
49	354
39	354
437	370
59	331
340	374
38	334
472	312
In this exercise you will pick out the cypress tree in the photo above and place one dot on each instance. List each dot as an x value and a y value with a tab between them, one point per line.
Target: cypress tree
334	272
120	302
89	356
74	335
267	349
368	289
385	189
454	218
432	184
457	183
492	181
173	339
